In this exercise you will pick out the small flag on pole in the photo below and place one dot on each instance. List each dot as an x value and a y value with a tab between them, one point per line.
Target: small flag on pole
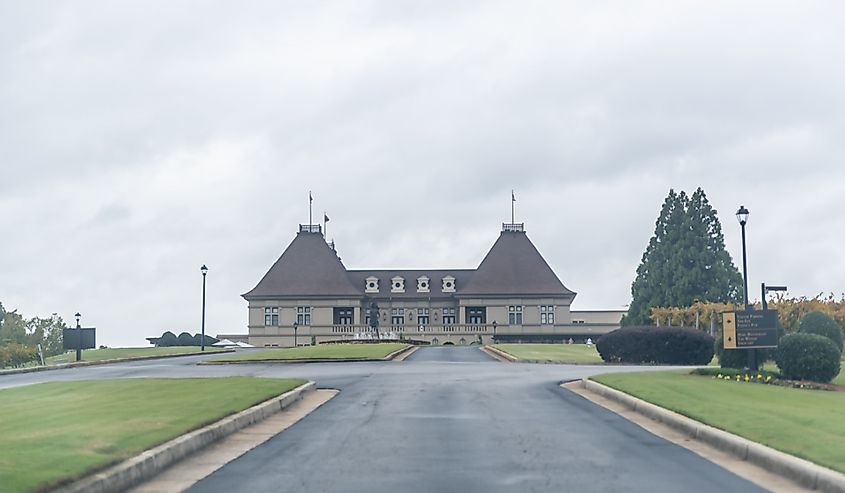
325	217
513	197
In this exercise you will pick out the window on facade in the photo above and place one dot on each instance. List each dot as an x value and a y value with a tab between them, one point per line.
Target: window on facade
476	315
303	315
448	316
448	284
397	285
422	284
547	314
422	316
515	315
343	316
271	315
371	285
397	316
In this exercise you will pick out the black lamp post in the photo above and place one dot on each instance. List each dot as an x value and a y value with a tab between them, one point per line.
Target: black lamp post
78	338
204	271
295	326
494	331
742	217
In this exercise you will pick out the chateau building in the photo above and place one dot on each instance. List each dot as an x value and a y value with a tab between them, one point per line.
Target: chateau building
308	295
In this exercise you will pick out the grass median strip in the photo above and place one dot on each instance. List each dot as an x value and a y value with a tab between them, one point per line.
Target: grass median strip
558	353
128	352
63	430
804	423
320	352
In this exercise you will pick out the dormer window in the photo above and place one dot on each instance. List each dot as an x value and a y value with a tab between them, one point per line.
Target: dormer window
397	285
423	285
371	285
448	284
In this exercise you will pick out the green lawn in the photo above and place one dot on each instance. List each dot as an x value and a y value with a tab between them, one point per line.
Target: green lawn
805	423
323	351
126	352
563	353
57	430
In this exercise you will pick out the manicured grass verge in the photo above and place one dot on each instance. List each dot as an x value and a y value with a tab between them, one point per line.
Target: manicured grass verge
805	423
323	351
60	430
561	353
128	352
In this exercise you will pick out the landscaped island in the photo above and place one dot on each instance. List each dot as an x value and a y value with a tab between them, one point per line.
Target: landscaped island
558	353
805	423
59	431
320	352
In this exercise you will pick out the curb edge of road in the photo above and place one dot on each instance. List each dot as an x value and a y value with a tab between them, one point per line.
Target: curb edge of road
400	355
788	466
77	364
151	462
499	354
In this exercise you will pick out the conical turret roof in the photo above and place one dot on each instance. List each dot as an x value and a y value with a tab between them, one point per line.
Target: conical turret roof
308	267
513	266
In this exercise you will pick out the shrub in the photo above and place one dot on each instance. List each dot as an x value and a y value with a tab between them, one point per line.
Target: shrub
208	340
808	357
185	339
167	339
15	355
662	345
822	324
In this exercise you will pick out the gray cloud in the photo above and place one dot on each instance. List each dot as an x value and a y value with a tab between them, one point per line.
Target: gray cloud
141	140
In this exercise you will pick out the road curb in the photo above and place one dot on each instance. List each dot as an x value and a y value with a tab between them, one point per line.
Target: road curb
151	462
401	354
798	470
499	354
64	366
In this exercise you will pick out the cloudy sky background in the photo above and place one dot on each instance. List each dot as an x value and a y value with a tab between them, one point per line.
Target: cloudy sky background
139	140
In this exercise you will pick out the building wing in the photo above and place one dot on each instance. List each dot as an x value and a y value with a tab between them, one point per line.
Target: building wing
308	267
513	266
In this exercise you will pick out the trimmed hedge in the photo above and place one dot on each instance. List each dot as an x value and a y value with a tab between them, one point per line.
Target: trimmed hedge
808	357
660	345
822	324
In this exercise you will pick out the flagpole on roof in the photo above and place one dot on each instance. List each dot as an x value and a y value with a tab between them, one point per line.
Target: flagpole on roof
513	201
310	200
325	220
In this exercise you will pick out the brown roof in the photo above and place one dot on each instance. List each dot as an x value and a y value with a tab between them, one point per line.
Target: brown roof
435	276
308	267
513	266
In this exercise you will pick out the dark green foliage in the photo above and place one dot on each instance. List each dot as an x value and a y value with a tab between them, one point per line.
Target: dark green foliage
167	339
808	357
685	261
208	340
32	332
662	345
185	339
822	324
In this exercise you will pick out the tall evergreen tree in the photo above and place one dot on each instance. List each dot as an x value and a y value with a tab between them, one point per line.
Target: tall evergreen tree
685	261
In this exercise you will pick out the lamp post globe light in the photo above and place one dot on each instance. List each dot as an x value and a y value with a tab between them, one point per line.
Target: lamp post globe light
495	324
204	271
78	338
742	217
295	326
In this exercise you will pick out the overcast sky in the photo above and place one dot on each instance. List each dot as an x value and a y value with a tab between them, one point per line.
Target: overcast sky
139	140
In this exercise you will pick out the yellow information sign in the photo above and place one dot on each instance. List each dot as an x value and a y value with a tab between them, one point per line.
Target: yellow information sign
729	330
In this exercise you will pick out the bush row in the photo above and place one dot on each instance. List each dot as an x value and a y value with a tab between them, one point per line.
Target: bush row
660	345
184	339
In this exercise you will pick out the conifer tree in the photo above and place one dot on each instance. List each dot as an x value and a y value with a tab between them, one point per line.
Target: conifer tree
685	261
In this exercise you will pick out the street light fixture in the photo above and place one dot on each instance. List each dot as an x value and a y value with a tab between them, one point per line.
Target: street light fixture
495	324
78	338
742	217
204	271
295	326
